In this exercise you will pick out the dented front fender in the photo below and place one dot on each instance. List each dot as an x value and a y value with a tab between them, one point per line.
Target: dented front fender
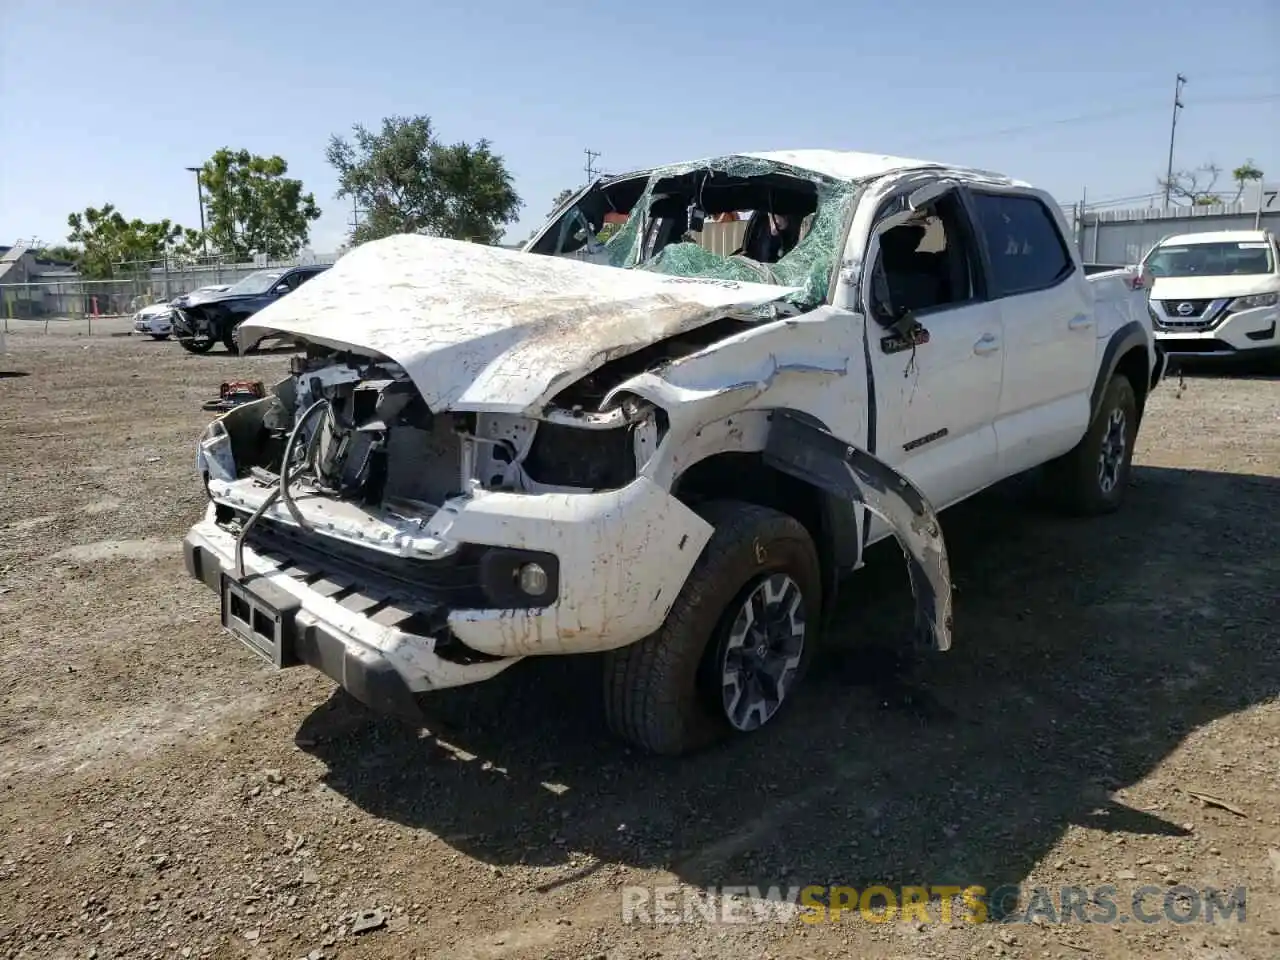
811	453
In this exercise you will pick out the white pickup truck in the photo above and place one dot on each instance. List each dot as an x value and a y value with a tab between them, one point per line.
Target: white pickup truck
670	456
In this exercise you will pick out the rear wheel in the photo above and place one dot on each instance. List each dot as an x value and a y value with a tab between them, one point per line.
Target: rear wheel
1092	478
735	644
159	336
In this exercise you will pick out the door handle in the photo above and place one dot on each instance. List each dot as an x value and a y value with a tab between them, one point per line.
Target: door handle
1080	322
988	343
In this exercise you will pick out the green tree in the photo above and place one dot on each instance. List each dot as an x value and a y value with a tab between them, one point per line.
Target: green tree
61	252
1243	174
252	207
106	238
188	247
407	181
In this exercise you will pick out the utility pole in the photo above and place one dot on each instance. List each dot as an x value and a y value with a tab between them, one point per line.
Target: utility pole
204	239
354	222
1173	127
592	156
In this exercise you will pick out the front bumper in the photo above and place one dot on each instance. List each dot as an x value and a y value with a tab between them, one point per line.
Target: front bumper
622	557
1243	332
304	638
153	325
380	665
186	325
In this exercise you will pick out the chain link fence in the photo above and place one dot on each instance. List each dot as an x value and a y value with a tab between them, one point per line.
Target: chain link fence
135	284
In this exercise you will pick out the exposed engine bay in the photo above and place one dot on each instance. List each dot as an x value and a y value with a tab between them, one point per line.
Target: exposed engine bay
355	429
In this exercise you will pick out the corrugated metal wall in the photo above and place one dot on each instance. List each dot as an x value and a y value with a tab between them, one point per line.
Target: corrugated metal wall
1125	236
722	238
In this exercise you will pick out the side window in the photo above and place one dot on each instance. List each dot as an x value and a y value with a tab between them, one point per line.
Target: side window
298	279
1026	248
928	264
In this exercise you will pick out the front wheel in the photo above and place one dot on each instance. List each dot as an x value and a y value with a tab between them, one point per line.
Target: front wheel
735	644
1091	479
197	344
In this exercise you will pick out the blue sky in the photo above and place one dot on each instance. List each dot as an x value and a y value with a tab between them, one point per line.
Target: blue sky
106	101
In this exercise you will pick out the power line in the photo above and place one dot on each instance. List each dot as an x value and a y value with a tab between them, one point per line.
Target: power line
1088	118
1116	201
1031	127
1260	98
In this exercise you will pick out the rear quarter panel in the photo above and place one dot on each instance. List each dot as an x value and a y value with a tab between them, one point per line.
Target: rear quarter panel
1117	303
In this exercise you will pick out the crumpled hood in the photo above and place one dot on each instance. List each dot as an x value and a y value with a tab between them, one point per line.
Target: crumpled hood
483	328
194	299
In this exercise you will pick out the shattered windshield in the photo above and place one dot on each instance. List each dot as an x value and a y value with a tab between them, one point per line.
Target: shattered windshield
770	223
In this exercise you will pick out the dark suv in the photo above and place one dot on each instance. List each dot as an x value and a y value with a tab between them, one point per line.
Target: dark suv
202	319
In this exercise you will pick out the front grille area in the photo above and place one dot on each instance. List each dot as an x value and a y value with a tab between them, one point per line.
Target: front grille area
1198	307
1188	316
413	596
340	571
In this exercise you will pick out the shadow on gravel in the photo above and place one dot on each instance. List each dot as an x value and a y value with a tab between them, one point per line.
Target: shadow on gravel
220	352
1230	368
13	374
1085	651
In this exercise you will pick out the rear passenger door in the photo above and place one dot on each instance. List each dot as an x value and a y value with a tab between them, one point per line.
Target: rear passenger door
1050	331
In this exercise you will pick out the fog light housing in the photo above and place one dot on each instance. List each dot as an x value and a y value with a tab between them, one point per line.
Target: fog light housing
533	579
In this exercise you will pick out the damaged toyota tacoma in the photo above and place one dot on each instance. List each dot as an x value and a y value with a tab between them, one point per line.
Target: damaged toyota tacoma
649	450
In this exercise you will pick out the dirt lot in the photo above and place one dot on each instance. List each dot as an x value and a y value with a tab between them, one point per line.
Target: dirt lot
163	794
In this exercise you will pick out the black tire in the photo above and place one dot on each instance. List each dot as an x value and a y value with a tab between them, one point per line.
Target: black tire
197	346
665	693
159	336
229	341
1081	482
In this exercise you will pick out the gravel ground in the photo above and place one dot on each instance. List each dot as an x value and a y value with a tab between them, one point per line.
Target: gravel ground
163	794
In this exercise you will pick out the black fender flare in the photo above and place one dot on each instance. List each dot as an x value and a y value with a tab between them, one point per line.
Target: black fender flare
799	447
1131	335
839	513
839	546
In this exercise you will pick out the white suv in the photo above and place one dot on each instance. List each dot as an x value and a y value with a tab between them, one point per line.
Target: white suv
1216	294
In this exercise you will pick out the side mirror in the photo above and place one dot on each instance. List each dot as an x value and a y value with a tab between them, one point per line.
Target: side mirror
281	289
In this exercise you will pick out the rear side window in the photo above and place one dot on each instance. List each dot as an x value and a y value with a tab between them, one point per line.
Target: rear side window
1027	251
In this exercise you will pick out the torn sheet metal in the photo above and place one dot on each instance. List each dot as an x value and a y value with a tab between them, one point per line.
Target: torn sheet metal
483	328
814	455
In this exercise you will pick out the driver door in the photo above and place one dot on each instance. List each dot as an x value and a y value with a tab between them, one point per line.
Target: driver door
938	391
